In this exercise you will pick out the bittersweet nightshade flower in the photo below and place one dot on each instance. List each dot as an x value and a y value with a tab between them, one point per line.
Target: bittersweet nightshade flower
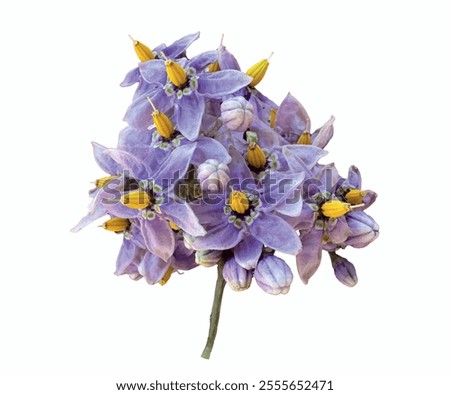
211	172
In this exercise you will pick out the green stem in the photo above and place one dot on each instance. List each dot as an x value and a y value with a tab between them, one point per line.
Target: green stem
215	312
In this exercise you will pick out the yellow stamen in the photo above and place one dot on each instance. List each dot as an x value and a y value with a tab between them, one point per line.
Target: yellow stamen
101	182
136	200
239	202
116	224
355	196
166	276
143	52
213	67
163	124
174	226
256	156
176	73
335	208
273	116
305	138
258	70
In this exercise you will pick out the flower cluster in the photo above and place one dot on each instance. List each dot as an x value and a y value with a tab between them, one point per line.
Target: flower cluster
211	172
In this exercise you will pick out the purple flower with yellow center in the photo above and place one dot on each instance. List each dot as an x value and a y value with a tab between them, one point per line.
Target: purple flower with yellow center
148	193
182	86
145	54
240	217
333	217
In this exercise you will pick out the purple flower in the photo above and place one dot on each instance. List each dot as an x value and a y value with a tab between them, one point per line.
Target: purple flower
240	217
187	100
173	51
319	230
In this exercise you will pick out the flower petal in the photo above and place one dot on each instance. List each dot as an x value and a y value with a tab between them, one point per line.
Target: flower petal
158	237
277	186
209	210
182	215
275	233
176	166
153	71
131	78
208	148
308	260
177	48
200	62
322	136
128	162
152	268
292	118
221	83
220	237
96	213
338	230
106	163
240	174
247	252
129	254
189	112
302	157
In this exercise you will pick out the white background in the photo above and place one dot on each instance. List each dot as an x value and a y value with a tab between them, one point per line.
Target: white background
69	326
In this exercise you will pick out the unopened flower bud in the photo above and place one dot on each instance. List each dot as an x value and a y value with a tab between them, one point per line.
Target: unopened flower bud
143	52
335	208
213	176
208	258
364	229
237	114
238	278
239	202
273	275
344	270
136	200
116	224
256	157
258	70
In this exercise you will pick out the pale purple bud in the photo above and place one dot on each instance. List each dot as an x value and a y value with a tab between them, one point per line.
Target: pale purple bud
208	258
273	275
237	114
344	270
364	229
213	176
238	278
